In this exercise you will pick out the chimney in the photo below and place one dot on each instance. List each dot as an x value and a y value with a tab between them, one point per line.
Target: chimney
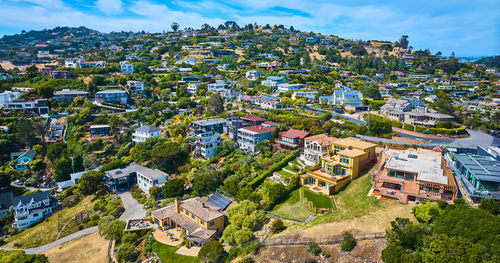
177	204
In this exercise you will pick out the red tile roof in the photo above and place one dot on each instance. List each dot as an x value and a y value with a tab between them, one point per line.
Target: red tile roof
259	129
270	123
252	118
292	134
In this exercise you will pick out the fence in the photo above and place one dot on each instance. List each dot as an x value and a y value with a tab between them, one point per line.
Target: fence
320	241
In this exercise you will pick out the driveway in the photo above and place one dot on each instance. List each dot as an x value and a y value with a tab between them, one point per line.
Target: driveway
133	209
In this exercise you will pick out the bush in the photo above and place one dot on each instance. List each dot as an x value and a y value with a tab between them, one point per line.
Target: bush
273	168
70	201
212	251
313	248
277	226
130	238
409	127
349	242
420	128
126	253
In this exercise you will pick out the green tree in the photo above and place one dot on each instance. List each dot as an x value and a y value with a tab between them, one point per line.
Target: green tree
5	179
168	156
62	170
126	253
263	146
103	224
215	105
55	151
212	252
349	242
358	50
173	188
444	249
154	191
26	133
115	228
277	226
91	182
490	205
426	212
130	238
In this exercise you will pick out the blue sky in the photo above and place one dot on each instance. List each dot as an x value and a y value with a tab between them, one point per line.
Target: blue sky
470	28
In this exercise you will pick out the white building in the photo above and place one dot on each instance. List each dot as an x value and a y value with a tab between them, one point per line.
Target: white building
249	137
207	143
72	62
192	88
31	208
289	87
217	87
307	94
135	86
343	96
147	177
126	68
142	133
253	74
8	96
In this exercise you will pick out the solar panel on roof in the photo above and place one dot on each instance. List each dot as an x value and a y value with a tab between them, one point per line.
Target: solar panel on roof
219	200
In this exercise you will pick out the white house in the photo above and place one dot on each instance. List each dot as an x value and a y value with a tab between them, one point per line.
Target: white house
192	88
8	96
126	68
253	74
273	81
72	62
207	143
308	94
343	96
288	87
31	208
249	137
135	86
147	177
142	133
217	87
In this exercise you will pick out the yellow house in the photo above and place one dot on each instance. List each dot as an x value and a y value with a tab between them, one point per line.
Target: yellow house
348	158
198	218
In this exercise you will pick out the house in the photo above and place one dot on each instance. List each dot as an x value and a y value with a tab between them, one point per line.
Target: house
9	96
29	209
92	64
201	220
192	88
316	147
416	76
75	178
23	158
99	130
215	124
39	106
73	62
413	175
142	133
350	156
431	98
343	96
112	96
231	126
190	79
253	74
273	81
284	87
268	102
217	87
126	68
124	178
135	86
206	144
307	94
291	140
67	95
252	120
249	137
478	174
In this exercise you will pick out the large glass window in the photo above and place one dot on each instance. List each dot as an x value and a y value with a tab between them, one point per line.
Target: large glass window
344	159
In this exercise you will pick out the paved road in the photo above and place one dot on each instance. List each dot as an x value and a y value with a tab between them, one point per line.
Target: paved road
476	138
60	241
133	209
360	122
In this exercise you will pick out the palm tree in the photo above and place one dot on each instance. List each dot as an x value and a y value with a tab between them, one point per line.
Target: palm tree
175	26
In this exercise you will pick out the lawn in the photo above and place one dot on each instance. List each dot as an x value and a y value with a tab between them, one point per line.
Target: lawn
292	168
46	232
167	254
292	207
91	248
284	174
318	200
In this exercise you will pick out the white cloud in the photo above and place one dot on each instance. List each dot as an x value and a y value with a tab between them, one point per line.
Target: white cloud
110	7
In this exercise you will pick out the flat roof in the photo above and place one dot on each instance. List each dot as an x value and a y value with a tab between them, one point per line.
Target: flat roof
210	121
354	142
351	152
484	168
426	163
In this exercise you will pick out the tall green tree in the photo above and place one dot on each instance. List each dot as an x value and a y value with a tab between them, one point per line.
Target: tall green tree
215	105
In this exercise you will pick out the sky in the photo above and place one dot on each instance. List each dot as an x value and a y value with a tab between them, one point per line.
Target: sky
469	28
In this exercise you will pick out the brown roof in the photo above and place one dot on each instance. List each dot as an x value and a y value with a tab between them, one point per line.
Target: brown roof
292	134
322	139
355	143
202	208
259	129
252	118
351	153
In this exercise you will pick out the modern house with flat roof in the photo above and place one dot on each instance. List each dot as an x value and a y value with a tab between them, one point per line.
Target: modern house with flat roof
67	95
136	86
215	124
478	175
124	178
112	96
39	106
99	130
413	175
201	220
348	158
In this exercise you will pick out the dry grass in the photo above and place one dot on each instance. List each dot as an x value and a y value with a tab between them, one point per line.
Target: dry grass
46	232
90	249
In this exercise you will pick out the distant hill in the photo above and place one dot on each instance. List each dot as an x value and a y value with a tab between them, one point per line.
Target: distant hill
44	35
490	61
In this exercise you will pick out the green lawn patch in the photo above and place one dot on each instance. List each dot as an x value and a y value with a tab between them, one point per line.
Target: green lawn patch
167	254
292	207
284	174
318	200
292	168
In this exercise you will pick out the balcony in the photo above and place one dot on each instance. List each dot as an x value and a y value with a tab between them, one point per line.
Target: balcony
288	144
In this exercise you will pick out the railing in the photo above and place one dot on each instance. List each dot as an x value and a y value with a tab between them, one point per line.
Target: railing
320	241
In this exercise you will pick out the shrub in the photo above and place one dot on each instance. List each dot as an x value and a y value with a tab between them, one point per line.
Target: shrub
70	201
277	226
130	238
420	128
273	168
126	252
349	242
212	251
409	127
313	248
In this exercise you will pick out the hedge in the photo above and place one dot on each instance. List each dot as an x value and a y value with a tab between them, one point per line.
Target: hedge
396	123
273	168
459	130
409	127
420	128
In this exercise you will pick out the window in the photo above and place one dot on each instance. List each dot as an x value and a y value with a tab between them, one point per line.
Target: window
35	215
202	222
344	160
212	223
192	216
